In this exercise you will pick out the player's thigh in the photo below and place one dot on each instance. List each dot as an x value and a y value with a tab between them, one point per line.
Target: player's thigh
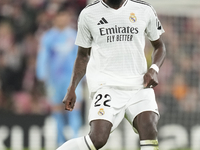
103	107
145	102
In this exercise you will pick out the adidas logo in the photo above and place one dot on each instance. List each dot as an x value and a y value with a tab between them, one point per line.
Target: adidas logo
102	21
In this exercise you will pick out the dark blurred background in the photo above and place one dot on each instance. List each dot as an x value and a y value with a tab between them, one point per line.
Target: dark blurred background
22	24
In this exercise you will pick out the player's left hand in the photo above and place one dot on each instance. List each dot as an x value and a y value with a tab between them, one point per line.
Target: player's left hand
150	79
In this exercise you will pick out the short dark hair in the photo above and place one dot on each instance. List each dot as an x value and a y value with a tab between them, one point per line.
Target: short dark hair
63	8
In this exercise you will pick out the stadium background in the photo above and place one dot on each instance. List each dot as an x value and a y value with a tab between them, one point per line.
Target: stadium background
24	109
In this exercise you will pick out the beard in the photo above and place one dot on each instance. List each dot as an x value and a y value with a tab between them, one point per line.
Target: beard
115	2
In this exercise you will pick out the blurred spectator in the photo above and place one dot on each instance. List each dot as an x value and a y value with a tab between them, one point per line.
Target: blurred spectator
12	61
22	25
190	103
179	87
54	67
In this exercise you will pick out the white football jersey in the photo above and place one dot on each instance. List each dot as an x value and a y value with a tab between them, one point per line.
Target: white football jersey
117	39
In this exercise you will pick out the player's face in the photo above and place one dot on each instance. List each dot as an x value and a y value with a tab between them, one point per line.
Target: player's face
62	19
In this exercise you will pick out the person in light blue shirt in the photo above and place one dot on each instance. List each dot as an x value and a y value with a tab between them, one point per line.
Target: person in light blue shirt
55	62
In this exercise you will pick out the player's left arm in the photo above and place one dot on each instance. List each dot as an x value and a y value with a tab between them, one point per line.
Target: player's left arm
158	56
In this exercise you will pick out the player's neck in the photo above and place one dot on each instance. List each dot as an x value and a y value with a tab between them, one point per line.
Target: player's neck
114	3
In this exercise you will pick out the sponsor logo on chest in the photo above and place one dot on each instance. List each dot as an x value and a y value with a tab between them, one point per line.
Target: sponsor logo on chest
116	32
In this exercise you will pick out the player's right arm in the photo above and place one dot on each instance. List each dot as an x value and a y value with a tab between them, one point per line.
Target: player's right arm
77	74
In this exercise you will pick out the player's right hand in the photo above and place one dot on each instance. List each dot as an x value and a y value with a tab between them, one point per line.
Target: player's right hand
70	99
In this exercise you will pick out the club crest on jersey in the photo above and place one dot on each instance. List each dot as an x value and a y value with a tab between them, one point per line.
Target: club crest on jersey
132	18
101	112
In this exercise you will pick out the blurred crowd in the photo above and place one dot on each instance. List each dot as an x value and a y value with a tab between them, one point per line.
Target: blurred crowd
179	87
22	24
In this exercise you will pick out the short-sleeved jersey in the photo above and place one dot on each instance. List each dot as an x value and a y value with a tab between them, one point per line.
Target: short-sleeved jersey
117	41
